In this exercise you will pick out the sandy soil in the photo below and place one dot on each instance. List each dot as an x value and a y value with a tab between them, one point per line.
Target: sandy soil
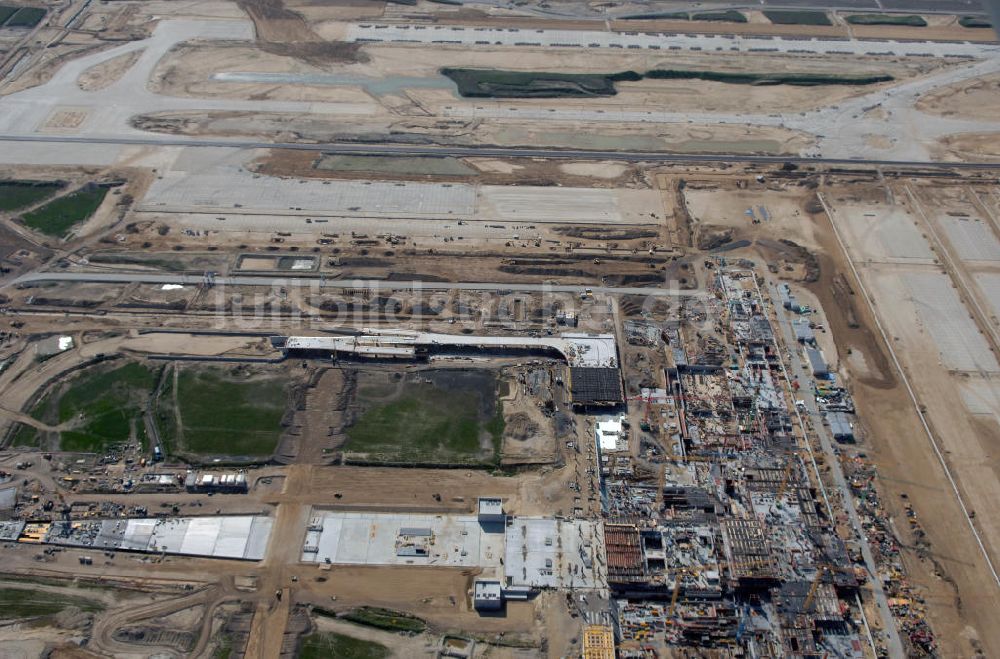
983	147
953	579
187	70
108	72
423	645
494	166
714	204
186	344
978	99
597	170
684	138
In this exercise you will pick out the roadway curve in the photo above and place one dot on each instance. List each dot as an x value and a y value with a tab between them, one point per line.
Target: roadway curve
499	152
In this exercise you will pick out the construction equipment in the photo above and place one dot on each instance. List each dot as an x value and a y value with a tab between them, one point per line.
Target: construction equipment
661	482
784	481
815	586
673	598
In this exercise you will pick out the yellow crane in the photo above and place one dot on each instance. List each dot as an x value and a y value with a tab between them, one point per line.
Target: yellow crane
815	586
784	481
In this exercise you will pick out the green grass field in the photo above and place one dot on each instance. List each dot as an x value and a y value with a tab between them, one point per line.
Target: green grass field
16	603
25	435
321	645
6	12
427	424
223	413
26	17
387	619
728	16
103	403
886	19
110	402
974	22
18	194
797	17
58	216
474	83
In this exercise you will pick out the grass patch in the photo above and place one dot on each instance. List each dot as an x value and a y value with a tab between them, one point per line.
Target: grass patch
223	412
728	16
321	645
796	79
16	603
58	216
25	435
18	194
224	648
387	619
658	15
109	402
444	422
491	83
974	22
794	17
886	19
6	12
520	84
26	17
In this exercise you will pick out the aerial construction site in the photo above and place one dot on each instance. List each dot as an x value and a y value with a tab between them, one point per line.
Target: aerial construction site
488	328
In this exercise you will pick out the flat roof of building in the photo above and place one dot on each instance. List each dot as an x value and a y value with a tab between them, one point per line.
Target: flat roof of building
371	538
578	348
233	536
595	386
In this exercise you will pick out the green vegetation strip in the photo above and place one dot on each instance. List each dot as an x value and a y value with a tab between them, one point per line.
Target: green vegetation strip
530	84
321	645
974	22
58	216
26	17
727	16
16	603
18	194
6	12
886	19
224	412
387	619
793	17
797	79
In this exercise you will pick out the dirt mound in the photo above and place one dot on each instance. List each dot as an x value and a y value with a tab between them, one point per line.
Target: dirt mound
712	236
520	427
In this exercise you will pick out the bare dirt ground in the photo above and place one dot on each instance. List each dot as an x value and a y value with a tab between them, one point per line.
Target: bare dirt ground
978	99
423	645
106	73
974	147
188	69
952	576
608	174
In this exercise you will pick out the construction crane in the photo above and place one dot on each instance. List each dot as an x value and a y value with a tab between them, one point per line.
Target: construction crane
784	481
815	586
677	588
661	482
673	598
742	627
